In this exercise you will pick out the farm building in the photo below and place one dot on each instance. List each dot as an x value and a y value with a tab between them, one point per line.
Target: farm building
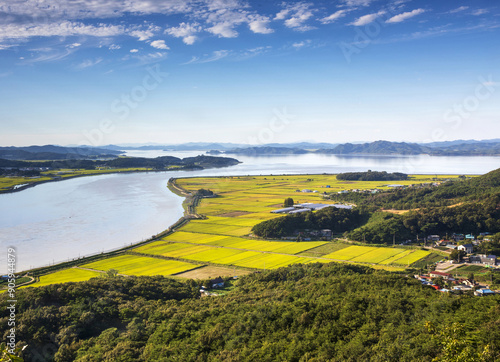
308	207
466	247
217	283
484	292
437	274
483	259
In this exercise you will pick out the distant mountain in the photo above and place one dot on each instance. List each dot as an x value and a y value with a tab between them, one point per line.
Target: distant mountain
302	145
479	148
458	142
266	151
378	148
51	152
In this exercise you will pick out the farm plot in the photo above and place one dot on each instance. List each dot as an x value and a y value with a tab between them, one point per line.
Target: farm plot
217	229
350	252
378	255
65	276
141	265
412	257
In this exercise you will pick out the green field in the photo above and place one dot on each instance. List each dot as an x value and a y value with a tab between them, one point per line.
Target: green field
224	237
377	255
141	265
64	276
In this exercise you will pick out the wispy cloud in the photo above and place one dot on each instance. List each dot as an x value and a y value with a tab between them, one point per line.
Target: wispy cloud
88	63
459	9
295	15
407	15
480	12
301	44
114	47
367	19
333	17
216	55
134	50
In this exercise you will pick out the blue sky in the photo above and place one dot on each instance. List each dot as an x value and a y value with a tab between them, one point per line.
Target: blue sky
100	72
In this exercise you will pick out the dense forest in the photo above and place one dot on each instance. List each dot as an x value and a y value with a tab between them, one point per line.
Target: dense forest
372	176
337	220
317	312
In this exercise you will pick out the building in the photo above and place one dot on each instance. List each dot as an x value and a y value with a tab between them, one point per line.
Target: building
484	292
437	274
468	248
433	238
283	211
217	283
483	259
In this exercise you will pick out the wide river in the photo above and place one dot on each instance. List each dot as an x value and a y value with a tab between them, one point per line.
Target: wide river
60	221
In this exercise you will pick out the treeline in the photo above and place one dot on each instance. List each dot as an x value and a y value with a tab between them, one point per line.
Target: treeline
448	193
372	176
337	220
158	163
468	218
321	312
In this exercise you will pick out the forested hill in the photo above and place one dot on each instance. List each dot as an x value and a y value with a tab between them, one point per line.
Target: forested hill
449	193
158	163
315	312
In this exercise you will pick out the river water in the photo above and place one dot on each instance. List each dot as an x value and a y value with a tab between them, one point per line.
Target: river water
63	220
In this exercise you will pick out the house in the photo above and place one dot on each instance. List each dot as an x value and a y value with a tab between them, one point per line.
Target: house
437	274
469	237
433	238
483	259
306	190
343	192
326	233
484	292
282	211
217	283
458	237
466	247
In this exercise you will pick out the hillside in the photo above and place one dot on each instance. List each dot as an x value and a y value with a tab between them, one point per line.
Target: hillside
304	312
265	151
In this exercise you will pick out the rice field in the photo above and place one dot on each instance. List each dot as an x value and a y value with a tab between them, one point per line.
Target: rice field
64	276
141	265
377	255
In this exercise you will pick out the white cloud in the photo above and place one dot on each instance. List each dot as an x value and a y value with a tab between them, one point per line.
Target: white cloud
356	3
301	44
259	25
185	31
335	16
74	45
295	15
223	30
459	9
114	47
65	28
480	12
402	17
88	63
134	50
159	44
367	19
64	9
144	33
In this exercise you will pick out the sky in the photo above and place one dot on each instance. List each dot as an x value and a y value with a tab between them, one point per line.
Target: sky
97	72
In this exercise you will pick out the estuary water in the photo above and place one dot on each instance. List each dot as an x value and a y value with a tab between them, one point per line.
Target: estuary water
63	220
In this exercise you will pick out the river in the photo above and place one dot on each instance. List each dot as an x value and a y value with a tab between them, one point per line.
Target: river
63	220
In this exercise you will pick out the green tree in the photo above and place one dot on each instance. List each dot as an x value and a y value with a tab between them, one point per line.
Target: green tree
288	202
